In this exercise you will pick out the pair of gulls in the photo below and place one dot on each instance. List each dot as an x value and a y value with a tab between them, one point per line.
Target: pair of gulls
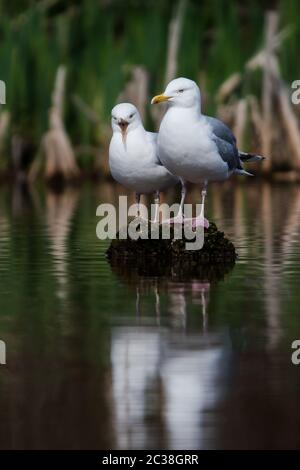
189	147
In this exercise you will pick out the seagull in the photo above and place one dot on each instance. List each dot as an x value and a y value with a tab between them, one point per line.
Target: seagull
133	156
196	148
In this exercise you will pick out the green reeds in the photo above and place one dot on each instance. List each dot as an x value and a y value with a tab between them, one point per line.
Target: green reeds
100	43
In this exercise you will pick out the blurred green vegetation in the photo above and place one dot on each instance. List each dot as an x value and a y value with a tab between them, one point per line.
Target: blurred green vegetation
99	41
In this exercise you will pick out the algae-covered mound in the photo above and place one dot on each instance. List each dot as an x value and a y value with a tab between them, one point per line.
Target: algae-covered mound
169	257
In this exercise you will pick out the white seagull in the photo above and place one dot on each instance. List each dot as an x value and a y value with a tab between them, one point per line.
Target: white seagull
195	147
133	156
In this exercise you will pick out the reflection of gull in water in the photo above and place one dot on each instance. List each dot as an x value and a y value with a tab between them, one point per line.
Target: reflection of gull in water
202	289
177	301
190	381
140	289
163	387
163	382
135	363
177	307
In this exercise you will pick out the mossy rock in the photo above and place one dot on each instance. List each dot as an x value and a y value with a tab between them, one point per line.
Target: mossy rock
168	257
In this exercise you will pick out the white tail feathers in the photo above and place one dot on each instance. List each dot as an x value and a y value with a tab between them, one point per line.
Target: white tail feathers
238	171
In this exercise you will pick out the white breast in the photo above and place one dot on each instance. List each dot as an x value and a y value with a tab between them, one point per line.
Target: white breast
135	165
187	149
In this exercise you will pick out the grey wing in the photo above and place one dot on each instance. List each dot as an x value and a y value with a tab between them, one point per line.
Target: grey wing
226	143
221	130
228	153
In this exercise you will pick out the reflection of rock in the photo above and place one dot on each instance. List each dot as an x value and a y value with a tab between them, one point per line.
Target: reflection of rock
168	257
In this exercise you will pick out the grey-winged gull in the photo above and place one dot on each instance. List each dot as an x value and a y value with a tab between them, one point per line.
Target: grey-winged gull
133	156
195	147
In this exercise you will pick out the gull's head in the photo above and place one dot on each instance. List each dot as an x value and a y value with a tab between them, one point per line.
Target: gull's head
181	92
124	118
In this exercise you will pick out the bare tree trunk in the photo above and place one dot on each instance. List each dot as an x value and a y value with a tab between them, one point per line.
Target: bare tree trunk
136	90
240	121
256	119
290	124
228	87
56	145
271	24
4	123
175	30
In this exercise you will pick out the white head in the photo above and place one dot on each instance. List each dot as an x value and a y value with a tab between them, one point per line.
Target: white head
124	118
180	92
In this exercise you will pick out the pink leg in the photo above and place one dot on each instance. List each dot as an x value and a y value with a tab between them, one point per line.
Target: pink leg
179	218
201	221
156	202
137	200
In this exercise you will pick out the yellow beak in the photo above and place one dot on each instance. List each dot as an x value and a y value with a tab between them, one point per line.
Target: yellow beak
159	99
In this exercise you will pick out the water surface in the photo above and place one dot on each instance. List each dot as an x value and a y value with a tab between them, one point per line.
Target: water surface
102	359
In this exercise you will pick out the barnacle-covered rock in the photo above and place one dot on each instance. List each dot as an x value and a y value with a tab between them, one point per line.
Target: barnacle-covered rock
169	257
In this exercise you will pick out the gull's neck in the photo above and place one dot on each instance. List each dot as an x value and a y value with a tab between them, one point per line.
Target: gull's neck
192	113
135	137
138	131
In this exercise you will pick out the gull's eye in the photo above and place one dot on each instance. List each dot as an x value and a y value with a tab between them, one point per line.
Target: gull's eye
114	118
181	90
131	116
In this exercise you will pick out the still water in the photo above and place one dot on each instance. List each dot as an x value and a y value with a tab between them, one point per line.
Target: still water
99	358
